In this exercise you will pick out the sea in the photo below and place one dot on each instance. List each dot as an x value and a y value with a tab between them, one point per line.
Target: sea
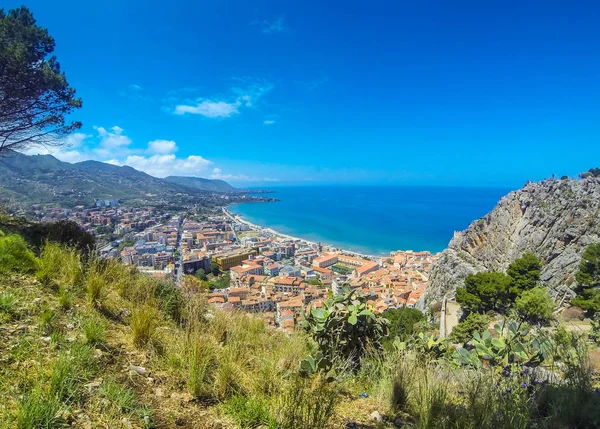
373	220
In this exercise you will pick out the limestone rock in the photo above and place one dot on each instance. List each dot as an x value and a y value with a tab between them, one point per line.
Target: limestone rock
555	219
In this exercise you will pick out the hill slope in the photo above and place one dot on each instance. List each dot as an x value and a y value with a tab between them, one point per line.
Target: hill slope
45	179
210	185
555	219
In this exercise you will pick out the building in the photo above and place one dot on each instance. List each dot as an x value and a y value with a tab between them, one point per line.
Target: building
325	261
192	262
226	261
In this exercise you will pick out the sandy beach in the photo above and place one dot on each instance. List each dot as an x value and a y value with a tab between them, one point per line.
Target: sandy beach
240	219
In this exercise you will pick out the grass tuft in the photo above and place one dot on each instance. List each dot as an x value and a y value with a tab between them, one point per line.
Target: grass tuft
144	322
94	329
248	412
37	411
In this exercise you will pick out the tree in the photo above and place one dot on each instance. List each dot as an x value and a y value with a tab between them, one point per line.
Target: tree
535	305
35	97
592	172
402	322
201	274
214	268
525	273
484	292
588	279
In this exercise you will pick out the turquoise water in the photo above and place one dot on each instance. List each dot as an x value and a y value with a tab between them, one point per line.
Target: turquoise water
373	220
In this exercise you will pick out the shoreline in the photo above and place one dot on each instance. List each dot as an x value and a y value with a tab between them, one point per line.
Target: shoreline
240	219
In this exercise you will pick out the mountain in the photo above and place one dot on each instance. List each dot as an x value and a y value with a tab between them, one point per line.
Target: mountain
555	219
201	184
44	179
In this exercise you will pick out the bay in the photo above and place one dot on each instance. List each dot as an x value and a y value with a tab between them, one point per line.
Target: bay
373	219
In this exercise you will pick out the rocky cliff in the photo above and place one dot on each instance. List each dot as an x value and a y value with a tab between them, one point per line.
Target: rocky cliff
555	219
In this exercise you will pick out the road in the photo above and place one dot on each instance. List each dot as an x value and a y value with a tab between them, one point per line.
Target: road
179	262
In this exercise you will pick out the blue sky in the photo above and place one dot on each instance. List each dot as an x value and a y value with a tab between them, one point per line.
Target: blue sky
393	92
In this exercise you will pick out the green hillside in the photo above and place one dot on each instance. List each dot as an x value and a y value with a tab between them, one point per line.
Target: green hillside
44	179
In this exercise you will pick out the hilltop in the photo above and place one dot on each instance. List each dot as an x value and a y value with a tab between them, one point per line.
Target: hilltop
210	185
554	219
44	179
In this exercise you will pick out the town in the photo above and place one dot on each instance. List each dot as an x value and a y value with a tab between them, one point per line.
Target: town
247	267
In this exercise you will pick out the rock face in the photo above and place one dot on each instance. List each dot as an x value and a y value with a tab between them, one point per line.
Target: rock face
555	219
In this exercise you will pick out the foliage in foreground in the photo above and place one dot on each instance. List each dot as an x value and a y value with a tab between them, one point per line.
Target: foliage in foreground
252	373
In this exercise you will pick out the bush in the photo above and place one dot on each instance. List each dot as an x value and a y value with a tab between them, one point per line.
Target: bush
474	322
65	232
402	322
15	256
535	305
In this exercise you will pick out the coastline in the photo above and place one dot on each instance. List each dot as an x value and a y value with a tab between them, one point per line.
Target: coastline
240	219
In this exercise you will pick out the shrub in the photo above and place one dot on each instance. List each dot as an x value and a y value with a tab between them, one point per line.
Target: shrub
535	305
65	232
402	322
144	321
588	279
15	256
464	331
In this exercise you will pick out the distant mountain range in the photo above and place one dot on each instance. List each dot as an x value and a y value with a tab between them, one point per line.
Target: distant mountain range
209	185
44	179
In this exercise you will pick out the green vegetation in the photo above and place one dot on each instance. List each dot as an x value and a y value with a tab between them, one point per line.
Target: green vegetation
474	322
15	256
592	172
344	330
535	305
402	322
142	351
588	279
484	292
36	97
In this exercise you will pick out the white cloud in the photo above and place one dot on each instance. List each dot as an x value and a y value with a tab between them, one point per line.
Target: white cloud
162	146
268	122
158	159
278	25
112	139
210	109
169	165
246	95
134	87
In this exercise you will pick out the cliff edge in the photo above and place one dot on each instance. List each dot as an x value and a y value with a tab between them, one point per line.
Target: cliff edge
555	219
